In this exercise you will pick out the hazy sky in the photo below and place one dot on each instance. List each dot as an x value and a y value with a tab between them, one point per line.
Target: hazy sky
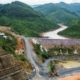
33	2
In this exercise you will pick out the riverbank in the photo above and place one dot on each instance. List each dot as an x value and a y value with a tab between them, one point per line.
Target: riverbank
73	31
54	34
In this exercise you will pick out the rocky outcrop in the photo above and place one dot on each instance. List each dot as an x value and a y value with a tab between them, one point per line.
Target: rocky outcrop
9	68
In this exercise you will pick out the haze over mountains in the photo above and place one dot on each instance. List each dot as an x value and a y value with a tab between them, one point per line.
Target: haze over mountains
23	19
60	12
68	14
31	21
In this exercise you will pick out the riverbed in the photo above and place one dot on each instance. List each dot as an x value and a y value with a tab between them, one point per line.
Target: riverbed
54	34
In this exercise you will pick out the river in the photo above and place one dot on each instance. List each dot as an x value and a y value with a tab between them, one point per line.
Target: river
54	34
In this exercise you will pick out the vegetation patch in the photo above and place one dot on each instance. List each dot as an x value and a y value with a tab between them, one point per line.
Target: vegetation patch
56	51
52	68
41	52
24	20
9	45
73	30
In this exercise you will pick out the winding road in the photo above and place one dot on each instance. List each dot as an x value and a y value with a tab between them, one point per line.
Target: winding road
39	72
30	54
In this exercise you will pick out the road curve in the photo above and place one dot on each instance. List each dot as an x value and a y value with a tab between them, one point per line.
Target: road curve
32	57
30	54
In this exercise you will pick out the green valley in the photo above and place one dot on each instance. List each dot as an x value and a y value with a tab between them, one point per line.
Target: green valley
73	31
23	19
64	13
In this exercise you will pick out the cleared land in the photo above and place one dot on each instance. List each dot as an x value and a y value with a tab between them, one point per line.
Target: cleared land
72	77
70	64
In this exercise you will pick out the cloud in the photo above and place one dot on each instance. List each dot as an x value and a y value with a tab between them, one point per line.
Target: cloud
76	1
6	1
40	1
45	1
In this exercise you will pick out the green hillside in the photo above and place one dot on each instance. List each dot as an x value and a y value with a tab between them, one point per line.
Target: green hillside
61	16
68	14
73	30
60	12
23	19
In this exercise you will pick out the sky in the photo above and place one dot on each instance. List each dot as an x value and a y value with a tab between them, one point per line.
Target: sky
34	2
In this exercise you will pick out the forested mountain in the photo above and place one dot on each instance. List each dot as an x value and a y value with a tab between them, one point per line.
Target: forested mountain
60	12
24	19
30	22
74	7
73	30
69	14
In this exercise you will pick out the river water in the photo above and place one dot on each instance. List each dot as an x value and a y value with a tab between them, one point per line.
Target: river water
54	34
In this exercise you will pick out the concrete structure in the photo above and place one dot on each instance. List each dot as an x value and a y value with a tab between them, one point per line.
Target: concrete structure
2	35
50	43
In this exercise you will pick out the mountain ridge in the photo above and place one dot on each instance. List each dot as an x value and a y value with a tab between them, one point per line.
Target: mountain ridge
68	14
71	9
23	19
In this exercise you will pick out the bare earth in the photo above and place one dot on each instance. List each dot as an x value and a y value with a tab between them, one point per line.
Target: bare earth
72	77
70	64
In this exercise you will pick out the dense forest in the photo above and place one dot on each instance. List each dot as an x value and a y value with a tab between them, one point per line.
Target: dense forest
60	12
68	14
29	21
23	19
73	31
